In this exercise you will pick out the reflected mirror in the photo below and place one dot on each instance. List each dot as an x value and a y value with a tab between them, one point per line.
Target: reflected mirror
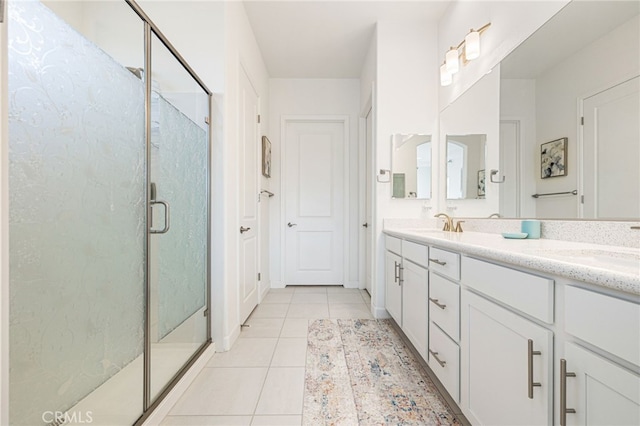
466	173
411	166
575	78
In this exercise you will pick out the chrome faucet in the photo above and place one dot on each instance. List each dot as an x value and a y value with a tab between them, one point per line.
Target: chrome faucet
448	224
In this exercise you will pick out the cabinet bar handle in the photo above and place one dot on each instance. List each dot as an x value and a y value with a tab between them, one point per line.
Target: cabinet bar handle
439	262
531	353
563	392
396	272
435	356
400	274
439	305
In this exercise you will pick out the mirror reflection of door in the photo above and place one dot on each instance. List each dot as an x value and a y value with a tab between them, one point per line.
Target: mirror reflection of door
411	166
423	155
466	156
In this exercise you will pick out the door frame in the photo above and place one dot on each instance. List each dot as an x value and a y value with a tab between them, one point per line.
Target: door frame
366	111
346	241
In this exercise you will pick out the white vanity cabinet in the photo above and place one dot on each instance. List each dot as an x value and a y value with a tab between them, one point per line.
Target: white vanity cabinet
595	390
393	283
507	366
406	289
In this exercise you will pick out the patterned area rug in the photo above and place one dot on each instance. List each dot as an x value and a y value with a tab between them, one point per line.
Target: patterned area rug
359	372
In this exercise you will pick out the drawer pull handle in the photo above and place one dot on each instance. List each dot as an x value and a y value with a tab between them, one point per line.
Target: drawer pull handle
435	356
439	305
563	392
396	272
530	354
439	262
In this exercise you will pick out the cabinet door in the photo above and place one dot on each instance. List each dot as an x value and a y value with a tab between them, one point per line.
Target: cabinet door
415	287
495	366
393	288
601	393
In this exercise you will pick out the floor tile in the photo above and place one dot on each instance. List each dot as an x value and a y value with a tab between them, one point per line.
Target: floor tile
283	392
222	391
308	310
309	298
342	290
350	310
290	352
345	298
310	289
281	290
277	421
278	297
270	310
255	352
262	327
295	327
207	421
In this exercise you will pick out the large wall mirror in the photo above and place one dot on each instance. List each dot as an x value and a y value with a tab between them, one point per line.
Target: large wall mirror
582	66
411	166
466	169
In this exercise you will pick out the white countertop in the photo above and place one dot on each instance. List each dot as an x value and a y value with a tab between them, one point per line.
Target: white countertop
608	266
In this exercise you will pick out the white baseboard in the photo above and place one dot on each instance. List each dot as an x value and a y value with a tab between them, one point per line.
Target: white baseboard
353	284
229	340
162	410
380	313
277	284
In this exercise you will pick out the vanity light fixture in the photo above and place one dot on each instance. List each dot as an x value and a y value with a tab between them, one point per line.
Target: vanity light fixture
445	76
469	49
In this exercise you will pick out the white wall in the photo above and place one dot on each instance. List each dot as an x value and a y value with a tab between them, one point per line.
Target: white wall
511	23
241	51
4	232
518	102
368	75
609	60
406	101
314	97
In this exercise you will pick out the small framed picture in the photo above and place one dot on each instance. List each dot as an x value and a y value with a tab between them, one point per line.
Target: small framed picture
266	157
553	158
481	183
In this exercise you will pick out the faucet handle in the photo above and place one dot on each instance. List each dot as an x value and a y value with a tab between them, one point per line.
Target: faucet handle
459	226
446	227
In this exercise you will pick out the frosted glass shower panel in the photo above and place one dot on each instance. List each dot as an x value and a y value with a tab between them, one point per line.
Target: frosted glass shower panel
178	258
77	220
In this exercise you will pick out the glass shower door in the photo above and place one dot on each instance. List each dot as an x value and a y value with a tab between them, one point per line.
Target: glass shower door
178	255
77	215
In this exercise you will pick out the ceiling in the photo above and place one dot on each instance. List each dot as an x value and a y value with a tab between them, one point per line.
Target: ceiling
326	39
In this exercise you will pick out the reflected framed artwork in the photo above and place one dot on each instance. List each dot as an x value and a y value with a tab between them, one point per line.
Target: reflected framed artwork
266	157
553	158
481	183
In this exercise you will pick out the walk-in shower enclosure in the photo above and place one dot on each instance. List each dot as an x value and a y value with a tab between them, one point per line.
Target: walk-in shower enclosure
109	148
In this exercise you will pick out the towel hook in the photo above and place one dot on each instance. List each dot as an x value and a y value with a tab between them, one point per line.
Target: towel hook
493	173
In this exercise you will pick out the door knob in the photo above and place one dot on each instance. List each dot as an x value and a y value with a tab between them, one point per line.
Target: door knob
243	229
291	225
366	225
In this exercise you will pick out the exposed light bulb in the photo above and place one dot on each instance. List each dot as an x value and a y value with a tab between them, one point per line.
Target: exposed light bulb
472	45
452	61
445	77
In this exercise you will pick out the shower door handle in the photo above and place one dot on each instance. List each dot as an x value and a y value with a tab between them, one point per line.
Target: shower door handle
167	219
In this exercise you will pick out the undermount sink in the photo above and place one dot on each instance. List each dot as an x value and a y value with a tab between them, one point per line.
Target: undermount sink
596	257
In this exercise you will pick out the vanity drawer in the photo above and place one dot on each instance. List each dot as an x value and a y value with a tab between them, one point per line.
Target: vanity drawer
445	263
444	305
525	292
447	352
393	244
417	253
607	322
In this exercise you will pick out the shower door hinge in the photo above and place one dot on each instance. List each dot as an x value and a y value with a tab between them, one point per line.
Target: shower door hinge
259	276
206	312
582	199
582	121
206	120
258	118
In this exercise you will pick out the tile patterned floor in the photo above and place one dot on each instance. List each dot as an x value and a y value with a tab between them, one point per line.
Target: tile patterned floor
244	386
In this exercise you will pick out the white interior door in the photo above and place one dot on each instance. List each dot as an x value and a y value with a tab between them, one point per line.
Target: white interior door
368	203
314	186
611	153
510	168
248	196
